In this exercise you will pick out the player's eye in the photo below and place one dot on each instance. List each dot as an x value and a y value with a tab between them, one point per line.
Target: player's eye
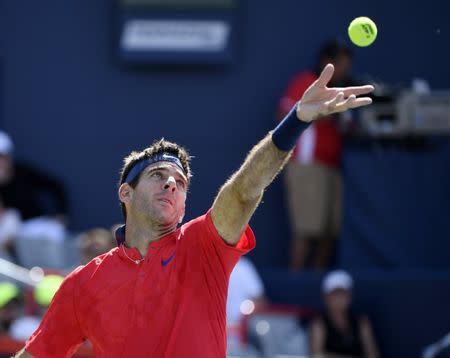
181	184
157	175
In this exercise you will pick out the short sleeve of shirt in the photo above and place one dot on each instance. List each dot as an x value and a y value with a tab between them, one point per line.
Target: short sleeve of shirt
214	249
59	333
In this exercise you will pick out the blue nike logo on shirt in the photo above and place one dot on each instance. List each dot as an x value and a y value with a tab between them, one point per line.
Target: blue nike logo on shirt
165	262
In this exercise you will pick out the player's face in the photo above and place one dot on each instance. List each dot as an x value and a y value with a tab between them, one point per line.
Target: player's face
161	194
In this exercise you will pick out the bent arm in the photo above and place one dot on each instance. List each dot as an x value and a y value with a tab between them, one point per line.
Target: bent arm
23	354
241	194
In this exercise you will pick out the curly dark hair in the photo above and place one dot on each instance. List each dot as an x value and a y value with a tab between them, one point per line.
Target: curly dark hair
157	147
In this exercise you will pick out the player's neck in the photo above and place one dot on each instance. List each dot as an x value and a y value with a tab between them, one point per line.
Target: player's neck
141	235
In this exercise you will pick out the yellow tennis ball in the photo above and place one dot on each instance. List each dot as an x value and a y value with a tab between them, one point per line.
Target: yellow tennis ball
362	31
8	291
46	289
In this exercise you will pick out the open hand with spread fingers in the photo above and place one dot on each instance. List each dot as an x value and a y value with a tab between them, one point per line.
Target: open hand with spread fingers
319	100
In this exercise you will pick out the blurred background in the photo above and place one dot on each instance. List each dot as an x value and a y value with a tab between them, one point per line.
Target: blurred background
83	83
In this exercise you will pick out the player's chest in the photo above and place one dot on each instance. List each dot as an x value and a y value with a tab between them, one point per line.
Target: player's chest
141	295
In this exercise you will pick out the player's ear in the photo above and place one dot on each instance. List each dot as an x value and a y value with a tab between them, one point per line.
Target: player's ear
125	192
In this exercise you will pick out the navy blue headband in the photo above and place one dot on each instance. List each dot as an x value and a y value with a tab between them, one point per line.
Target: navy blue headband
140	166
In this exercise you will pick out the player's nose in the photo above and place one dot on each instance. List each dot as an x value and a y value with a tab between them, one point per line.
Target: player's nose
170	184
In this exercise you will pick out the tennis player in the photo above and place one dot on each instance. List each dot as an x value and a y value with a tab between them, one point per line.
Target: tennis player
162	292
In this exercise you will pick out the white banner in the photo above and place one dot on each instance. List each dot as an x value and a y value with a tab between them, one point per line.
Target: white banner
175	35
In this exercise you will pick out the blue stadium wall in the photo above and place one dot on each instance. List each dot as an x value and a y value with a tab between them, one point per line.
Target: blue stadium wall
73	110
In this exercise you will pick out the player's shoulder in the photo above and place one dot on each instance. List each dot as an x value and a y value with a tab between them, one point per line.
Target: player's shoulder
93	265
197	225
194	222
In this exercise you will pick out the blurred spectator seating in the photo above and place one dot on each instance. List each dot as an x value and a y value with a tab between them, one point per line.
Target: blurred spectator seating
30	191
32	196
279	331
245	294
9	346
24	326
439	349
10	223
20	317
46	252
49	252
95	242
11	305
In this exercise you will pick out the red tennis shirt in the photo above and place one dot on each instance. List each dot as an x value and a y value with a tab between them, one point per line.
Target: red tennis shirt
172	304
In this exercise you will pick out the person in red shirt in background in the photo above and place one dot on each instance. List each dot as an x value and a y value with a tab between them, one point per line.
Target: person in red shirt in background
312	178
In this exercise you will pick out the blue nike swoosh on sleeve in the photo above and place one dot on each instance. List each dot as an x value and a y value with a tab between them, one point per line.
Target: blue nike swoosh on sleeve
165	262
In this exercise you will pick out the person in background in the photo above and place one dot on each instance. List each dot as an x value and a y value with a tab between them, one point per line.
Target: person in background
39	198
22	327
10	224
245	294
26	189
338	332
11	304
95	242
312	179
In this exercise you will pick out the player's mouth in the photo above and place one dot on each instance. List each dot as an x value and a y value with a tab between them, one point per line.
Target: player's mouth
166	201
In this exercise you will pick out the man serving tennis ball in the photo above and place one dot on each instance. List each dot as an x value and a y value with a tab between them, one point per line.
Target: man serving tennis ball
162	292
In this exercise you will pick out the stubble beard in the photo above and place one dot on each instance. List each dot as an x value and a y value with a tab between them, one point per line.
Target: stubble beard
162	218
